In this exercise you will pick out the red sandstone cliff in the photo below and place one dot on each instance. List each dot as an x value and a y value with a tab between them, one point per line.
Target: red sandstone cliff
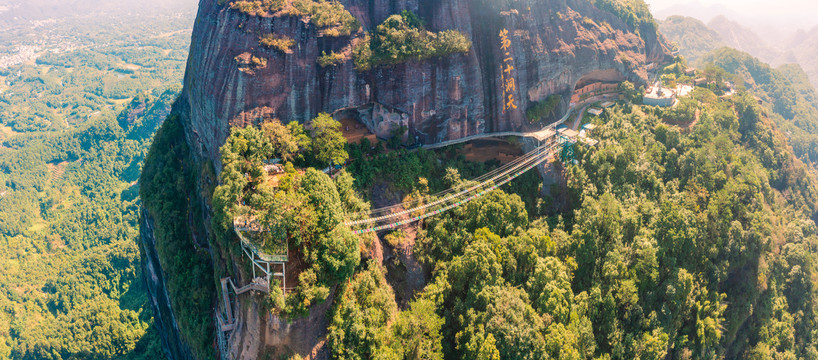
554	43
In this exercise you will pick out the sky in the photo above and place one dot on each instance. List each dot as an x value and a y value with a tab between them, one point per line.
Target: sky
783	13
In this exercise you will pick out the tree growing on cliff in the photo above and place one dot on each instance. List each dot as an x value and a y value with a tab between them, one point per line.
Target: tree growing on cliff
327	140
286	143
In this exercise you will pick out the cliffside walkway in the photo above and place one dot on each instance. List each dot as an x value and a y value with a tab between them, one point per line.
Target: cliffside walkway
551	141
258	284
540	135
228	322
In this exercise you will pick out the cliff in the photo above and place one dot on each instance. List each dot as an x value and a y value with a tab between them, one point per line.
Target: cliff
553	45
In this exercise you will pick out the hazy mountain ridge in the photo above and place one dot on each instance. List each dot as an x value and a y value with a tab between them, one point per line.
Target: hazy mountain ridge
739	37
695	39
692	36
787	92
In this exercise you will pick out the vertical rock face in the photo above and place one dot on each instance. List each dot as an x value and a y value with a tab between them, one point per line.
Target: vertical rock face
551	46
553	43
165	321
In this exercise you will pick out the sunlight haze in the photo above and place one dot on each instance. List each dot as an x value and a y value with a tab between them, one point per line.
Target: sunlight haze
788	15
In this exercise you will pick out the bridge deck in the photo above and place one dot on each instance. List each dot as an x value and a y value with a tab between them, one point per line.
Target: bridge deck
397	215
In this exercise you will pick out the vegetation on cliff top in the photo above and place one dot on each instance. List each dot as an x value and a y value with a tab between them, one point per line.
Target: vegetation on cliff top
302	208
404	37
635	13
328	15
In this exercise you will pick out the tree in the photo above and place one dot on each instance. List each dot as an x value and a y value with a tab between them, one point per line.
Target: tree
502	213
629	91
366	306
323	197
285	145
300	135
550	286
327	140
337	253
505	314
416	332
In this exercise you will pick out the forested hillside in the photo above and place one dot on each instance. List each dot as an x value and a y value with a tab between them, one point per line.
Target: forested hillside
692	36
694	243
785	91
74	129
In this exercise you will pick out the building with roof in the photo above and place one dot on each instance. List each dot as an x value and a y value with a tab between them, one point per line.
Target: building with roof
658	96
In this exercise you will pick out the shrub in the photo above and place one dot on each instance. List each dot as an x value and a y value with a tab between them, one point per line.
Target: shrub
402	38
395	238
331	16
543	108
258	62
281	42
362	54
331	59
263	7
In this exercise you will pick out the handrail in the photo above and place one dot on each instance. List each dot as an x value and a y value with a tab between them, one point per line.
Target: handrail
452	204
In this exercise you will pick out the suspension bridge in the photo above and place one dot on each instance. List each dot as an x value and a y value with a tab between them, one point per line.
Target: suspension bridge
551	142
390	217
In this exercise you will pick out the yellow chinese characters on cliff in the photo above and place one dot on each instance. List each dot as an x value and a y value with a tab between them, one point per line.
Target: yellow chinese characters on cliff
507	81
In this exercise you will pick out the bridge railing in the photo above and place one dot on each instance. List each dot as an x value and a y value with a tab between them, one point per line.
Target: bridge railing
251	233
460	199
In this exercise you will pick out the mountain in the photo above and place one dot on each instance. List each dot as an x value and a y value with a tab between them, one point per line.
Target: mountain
768	43
695	38
802	48
684	233
692	36
432	70
742	38
555	50
787	90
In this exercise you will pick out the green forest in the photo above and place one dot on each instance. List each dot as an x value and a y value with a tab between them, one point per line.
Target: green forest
663	242
685	233
693	245
74	129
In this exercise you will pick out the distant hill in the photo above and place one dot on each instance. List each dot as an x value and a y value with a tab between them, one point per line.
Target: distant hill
692	35
786	89
802	48
742	38
692	9
695	38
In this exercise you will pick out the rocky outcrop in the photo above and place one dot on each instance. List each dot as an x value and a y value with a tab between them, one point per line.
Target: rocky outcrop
553	43
164	319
